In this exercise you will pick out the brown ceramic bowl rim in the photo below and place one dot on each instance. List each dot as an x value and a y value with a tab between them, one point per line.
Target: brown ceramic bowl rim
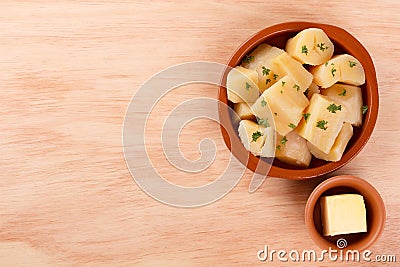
337	35
347	181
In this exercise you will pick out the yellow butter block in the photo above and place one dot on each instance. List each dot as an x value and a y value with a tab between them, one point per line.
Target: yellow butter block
343	214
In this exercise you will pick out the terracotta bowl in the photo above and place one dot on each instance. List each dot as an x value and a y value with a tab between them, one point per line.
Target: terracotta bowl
376	215
277	35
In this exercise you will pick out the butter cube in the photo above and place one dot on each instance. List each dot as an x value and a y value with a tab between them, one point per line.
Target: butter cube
343	214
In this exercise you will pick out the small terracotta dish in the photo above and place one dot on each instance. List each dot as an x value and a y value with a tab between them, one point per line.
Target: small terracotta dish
277	35
345	184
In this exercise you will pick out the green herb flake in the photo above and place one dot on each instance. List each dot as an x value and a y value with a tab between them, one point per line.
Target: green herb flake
306	116
322	124
343	93
284	140
296	87
267	81
256	135
248	59
333	108
291	125
278	147
326	64
263	122
306	92
265	71
281	91
322	46
248	86
352	63
364	109
263	103
304	50
333	70
276	76
283	83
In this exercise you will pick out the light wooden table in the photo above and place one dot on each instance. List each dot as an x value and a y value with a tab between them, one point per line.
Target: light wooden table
68	70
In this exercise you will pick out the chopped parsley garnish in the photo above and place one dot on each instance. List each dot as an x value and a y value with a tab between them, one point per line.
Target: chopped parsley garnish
276	76
283	83
256	135
297	87
343	93
304	50
352	63
281	91
364	109
263	103
265	71
333	70
326	64
278	147
321	124
306	92
263	122
248	86
306	115
267	81
333	108
291	125
322	46
283	140
248	59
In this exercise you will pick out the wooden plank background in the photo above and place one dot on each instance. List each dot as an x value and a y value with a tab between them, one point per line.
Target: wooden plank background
68	70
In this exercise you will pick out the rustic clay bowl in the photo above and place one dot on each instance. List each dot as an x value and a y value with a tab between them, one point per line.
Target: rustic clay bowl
277	35
344	184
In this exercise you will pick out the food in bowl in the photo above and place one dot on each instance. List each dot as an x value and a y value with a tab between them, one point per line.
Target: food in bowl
343	214
375	214
314	107
256	138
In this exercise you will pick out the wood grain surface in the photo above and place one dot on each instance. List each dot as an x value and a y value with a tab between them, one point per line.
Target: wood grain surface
68	70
